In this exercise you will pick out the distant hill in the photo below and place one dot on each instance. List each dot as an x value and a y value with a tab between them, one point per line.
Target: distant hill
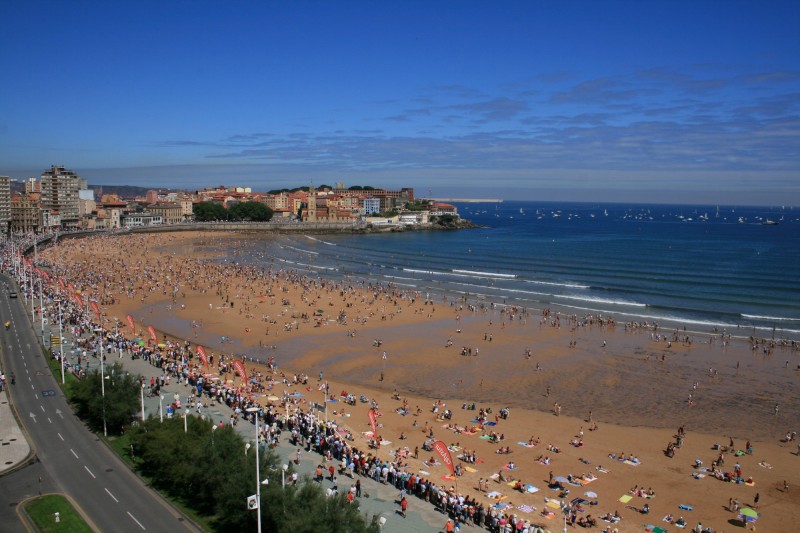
125	191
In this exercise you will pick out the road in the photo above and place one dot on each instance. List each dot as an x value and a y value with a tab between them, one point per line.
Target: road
72	459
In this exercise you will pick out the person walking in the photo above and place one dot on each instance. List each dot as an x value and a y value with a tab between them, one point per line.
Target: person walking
403	506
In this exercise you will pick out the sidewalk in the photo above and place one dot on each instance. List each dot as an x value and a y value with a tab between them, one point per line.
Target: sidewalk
14	447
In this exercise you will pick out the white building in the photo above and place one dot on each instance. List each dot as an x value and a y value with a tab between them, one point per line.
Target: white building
60	193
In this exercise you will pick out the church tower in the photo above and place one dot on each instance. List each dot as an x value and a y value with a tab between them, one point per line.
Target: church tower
312	204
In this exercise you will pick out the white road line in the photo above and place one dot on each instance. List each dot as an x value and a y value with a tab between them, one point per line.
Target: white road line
73	453
90	472
112	496
134	519
42	406
48	419
60	437
37	396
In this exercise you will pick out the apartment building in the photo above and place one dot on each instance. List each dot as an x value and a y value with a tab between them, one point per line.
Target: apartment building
59	189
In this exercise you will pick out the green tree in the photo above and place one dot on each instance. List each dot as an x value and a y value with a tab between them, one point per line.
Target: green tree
209	211
252	211
120	405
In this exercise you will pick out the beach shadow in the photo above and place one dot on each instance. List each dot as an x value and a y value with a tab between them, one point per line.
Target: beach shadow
736	522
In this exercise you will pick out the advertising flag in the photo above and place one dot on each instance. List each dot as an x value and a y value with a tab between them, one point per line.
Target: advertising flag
444	453
131	323
95	307
373	422
152	331
201	353
239	366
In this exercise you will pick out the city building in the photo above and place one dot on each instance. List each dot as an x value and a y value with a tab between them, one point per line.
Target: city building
59	189
24	209
169	213
5	203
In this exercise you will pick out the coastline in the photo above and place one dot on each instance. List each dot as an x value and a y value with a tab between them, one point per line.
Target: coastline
606	379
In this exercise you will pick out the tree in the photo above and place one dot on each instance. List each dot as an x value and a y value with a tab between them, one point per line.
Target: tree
120	404
252	211
209	211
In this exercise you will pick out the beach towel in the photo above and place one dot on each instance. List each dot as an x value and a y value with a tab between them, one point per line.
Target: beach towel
470	469
490	423
762	464
698	476
448	478
625	498
750	483
526	508
632	463
431	465
508	466
424	472
553	504
531	489
525	444
601	469
486	437
685	507
494	477
550	516
479	460
494	495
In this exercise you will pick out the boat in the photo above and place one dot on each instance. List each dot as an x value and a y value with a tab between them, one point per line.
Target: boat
768	222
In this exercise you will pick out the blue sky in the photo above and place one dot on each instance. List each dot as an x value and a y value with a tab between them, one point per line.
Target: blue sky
631	101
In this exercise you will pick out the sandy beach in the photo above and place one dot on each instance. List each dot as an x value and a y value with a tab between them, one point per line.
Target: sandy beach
637	384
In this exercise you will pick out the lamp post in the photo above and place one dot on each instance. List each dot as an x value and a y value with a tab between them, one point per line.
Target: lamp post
284	468
255	411
185	413
142	393
161	407
41	308
61	342
103	385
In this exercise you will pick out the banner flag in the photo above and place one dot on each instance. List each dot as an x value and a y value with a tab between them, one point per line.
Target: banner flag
153	336
239	366
373	418
95	307
201	353
252	502
131	323
444	453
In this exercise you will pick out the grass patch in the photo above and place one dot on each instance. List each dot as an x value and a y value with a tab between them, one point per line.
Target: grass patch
42	511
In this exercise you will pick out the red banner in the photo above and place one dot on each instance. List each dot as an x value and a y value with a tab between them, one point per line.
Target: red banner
78	299
95	307
201	353
239	366
444	453
373	422
61	282
70	286
153	336
131	323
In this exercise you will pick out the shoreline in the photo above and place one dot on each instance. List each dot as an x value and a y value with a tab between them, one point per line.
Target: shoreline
587	377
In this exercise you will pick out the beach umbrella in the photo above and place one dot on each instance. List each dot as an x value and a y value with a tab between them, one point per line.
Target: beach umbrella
590	494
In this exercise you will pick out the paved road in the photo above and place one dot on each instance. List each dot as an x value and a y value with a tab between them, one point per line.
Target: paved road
73	461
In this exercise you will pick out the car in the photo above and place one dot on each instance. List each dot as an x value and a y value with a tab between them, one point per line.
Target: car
12	294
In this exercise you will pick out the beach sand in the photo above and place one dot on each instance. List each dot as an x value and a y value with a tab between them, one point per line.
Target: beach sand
636	388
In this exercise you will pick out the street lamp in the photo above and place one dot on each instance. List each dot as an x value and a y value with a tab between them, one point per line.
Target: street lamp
142	393
185	412
284	468
255	411
161	407
61	342
103	385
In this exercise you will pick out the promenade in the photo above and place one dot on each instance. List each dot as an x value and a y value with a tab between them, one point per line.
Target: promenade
377	499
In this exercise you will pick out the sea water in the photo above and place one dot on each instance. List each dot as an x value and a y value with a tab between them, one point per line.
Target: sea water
709	268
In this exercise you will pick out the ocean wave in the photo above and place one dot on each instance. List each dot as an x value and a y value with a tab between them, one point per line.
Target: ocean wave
319	240
484	274
300	250
778	318
599	300
555	284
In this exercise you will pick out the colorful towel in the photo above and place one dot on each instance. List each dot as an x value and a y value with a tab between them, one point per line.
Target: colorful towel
685	507
625	498
531	489
553	504
526	508
470	469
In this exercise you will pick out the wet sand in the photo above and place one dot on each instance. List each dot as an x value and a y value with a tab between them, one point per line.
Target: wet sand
637	399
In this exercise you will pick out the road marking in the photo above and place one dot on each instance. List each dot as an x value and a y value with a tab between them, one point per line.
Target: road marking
90	472
42	406
134	519
73	453
60	437
112	496
36	395
58	412
48	419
